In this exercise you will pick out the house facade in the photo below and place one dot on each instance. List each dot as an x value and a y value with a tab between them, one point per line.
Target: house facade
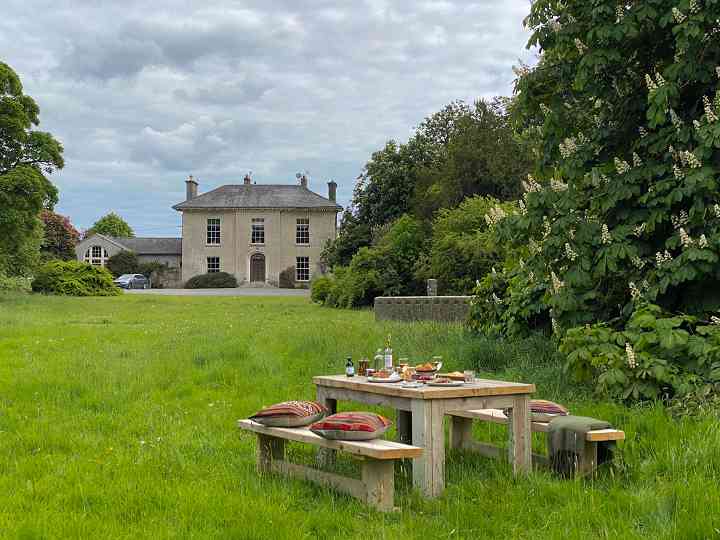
257	231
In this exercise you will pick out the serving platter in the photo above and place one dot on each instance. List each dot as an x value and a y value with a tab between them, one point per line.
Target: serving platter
447	384
384	380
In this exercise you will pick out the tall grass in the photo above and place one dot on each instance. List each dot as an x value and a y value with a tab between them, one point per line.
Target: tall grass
117	420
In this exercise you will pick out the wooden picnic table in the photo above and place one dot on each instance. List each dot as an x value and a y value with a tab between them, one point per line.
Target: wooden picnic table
421	412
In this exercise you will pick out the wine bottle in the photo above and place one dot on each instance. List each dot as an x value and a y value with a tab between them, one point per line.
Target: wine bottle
388	354
349	367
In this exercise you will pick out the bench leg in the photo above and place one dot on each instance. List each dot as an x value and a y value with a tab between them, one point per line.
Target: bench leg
269	449
520	446
460	432
325	456
587	464
377	476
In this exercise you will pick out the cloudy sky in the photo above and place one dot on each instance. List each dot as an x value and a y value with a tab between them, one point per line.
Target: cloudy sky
142	97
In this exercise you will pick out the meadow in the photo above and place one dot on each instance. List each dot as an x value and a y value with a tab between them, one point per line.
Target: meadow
117	420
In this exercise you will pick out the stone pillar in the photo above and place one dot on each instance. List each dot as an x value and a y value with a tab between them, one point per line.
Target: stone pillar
432	287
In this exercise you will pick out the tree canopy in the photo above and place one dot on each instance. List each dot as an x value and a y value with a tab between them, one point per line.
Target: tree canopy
59	237
111	225
26	155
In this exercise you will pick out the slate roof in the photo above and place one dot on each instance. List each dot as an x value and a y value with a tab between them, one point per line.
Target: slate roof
259	196
150	246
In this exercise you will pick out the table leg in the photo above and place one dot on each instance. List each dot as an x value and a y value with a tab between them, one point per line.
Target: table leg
520	436
460	433
428	432
325	456
404	426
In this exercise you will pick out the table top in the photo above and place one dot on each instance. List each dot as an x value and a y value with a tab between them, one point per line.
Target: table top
478	388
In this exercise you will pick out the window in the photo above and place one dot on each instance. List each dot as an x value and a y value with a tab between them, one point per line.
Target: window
213	230
96	255
302	269
302	231
213	265
258	231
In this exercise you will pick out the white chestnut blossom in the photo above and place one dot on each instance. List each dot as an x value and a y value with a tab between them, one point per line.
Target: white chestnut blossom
715	320
522	207
494	216
678	15
531	185
544	109
691	159
637	161
630	353
643	132
662	258
716	210
571	254
558	185
605	236
685	239
568	147
557	283
634	291
709	112
702	241
717	71
621	166
694	7
678	172
581	47
638	262
619	14
555	326
650	83
639	229
675	119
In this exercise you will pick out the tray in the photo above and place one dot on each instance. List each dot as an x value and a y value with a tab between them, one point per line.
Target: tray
385	380
446	385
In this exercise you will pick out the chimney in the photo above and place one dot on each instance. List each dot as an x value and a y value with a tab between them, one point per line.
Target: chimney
247	180
191	188
303	181
332	191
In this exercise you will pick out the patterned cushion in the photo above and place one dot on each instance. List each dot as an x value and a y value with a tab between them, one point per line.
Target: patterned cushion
290	414
542	410
352	426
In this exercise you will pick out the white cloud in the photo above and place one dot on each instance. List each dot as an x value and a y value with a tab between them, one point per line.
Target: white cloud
140	98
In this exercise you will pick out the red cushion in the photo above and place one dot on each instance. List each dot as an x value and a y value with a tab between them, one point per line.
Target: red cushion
290	414
352	426
547	407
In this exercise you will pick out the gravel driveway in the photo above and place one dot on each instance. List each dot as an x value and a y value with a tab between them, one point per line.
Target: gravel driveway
240	291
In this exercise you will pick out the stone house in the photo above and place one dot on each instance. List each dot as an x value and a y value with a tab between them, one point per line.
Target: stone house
98	248
257	231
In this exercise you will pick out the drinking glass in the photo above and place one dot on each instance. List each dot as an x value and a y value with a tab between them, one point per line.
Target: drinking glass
469	376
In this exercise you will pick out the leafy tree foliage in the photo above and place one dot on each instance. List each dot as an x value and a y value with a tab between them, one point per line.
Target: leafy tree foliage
111	225
386	268
463	248
59	237
458	152
123	262
622	111
25	154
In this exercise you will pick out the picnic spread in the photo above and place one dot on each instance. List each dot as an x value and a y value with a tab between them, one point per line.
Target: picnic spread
422	397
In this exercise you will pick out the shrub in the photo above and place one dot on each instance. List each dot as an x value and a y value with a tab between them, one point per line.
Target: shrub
14	284
286	279
321	288
656	355
74	278
124	262
213	280
463	247
60	237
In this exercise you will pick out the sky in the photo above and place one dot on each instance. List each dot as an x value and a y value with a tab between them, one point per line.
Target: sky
142	97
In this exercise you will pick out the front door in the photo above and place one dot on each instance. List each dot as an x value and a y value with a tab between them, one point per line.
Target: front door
257	268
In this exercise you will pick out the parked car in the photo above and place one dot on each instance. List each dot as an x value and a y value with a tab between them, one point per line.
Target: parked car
132	281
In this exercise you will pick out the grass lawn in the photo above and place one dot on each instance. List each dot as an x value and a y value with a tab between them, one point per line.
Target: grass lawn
117	420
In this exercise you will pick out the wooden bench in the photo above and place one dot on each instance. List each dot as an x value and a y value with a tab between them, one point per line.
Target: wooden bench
377	484
461	437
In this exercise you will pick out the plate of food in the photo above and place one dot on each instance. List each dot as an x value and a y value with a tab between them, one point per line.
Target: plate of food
428	367
384	377
453	375
442	381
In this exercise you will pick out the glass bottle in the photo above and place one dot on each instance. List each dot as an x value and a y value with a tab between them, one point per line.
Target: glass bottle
349	367
388	354
378	360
